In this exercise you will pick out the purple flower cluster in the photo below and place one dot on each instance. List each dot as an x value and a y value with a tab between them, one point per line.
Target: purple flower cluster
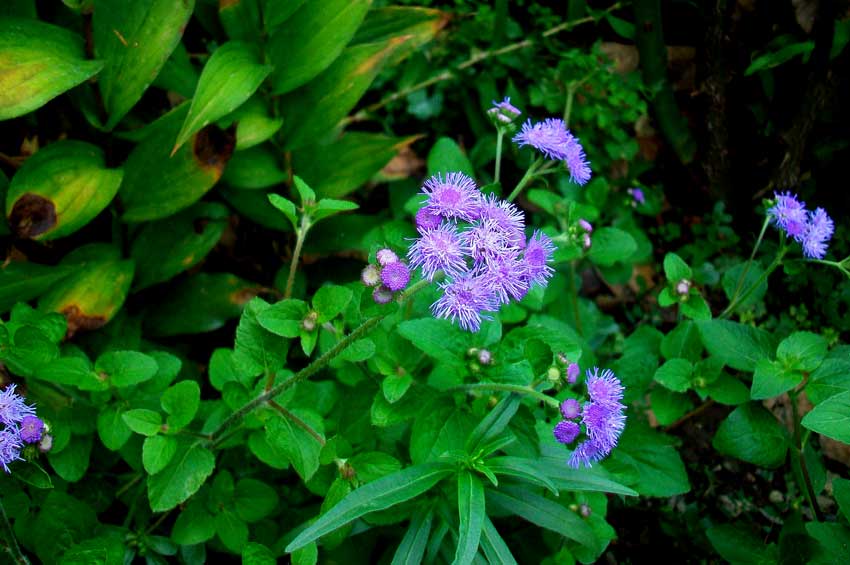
602	418
552	138
479	243
388	277
20	426
812	230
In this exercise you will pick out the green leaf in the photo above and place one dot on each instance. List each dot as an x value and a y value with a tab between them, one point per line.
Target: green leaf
739	346
21	282
611	245
730	284
135	39
803	351
833	543
752	434
330	300
313	38
528	470
75	371
415	540
181	402
257	554
446	157
157	452
394	387
254	124
494	546
776	58
327	207
256	346
59	190
181	478
493	423
41	61
305	192
194	525
32	474
440	339
232	531
255	168
772	378
285	206
143	421
254	500
542	512
738	545
377	495
230	77
684	341
728	390
831	418
695	307
300	447
72	462
675	375
668	406
651	458
841	491
167	247
112	429
307	555
675	269
284	318
125	368
472	512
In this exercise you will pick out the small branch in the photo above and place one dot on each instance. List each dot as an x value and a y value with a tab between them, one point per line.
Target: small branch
300	236
13	549
499	387
159	521
298	422
750	261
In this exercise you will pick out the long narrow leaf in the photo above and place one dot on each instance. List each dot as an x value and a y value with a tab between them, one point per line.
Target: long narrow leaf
471	508
528	470
412	547
585	479
494	546
377	495
493	424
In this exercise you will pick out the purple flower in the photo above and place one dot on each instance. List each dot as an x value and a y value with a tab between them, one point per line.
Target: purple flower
13	408
566	432
549	137
426	220
576	160
456	196
439	249
586	454
10	447
506	275
604	389
386	257
31	429
485	240
817	233
789	214
572	372
637	195
538	253
506	106
370	276
382	295
604	423
395	276
507	217
570	408
464	300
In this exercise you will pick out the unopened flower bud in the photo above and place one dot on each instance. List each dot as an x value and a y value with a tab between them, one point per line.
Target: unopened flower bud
561	358
683	287
386	256
570	408
485	357
573	371
553	374
585	510
586	242
382	295
309	321
46	443
371	275
585	225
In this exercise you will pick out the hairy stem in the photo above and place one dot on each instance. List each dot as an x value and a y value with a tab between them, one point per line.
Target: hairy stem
298	422
300	236
519	389
13	549
526	178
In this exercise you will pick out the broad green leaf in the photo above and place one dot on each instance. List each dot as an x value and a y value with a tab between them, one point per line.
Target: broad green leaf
312	39
841	491
143	421
316	108
728	390
675	269
494	546
675	374
472	513
373	465
276	12
833	543
342	166
241	18
684	341
254	500
134	38
32	474
440	339
254	124
830	378
255	346
327	207
284	318
125	368
232	531
20	282
158	184
695	307
256	168
157	452
257	554
181	402
330	300
167	247
493	423
669	406
300	446
753	274
803	351
415	540
611	245
305	192
181	478
446	156
377	495
737	345
75	371
394	387
194	525
652	459
59	190
72	462
776	58
752	434
201	303
418	23
29	350
542	512
739	546
772	378
831	418
39	62
286	207
112	429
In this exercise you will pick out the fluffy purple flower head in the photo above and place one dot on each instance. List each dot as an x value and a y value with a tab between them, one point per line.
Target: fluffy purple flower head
605	388
506	216
456	196
386	257
506	275
10	447
485	240
570	408
604	423
370	276
789	214
637	195
13	408
816	235
586	454
576	160
427	220
465	299
538	253
566	432
31	429
382	295
549	137
395	276
572	372
506	106
439	249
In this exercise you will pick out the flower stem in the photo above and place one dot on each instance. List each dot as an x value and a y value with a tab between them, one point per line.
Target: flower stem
737	300
13	549
801	458
300	236
526	178
743	275
499	137
520	389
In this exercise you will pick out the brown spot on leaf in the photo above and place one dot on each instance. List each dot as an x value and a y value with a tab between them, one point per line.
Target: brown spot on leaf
32	215
223	4
244	295
79	320
213	146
